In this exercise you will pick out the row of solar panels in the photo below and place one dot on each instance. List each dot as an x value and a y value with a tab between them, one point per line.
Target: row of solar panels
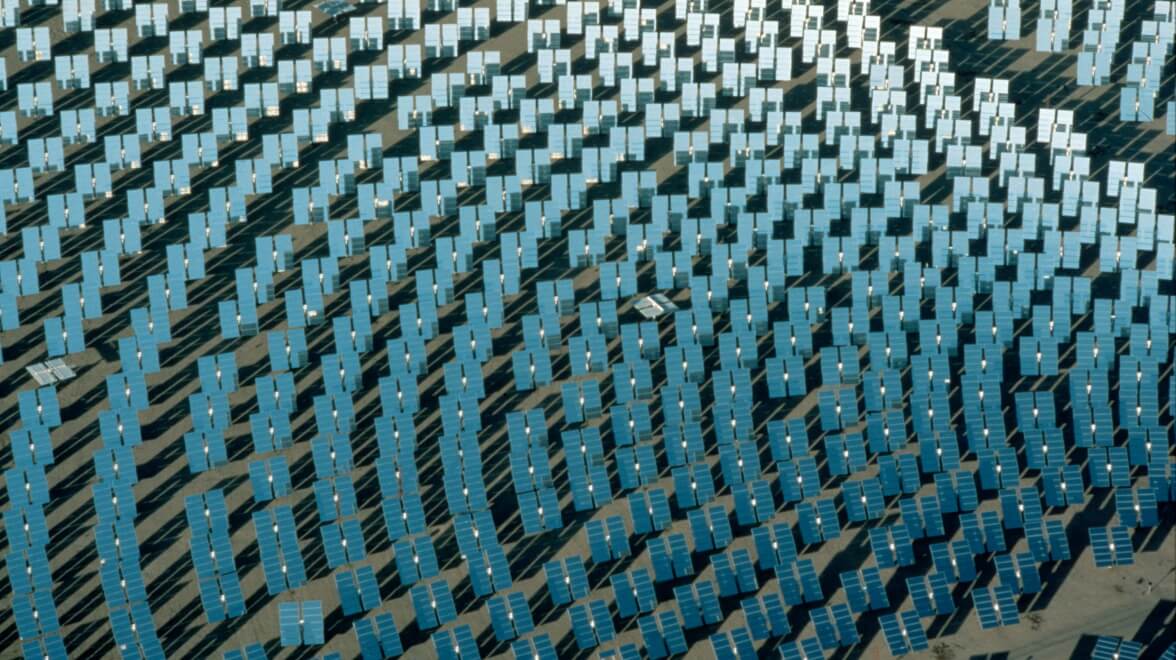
123	584
98	275
944	566
412	394
608	551
42	239
1001	594
31	88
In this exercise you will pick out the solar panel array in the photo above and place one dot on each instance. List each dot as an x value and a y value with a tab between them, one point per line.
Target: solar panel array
780	331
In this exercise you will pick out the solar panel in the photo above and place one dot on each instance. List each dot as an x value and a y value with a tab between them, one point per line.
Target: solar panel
838	409
1109	467
863	500
459	643
904	632
819	521
670	557
510	616
1111	546
433	604
134	628
933	599
112	500
1136	507
799	582
788	439
697	604
378	637
301	622
754	502
846	453
827	632
766	616
566	580
1113	647
735	643
205	450
662	634
734	572
538	646
995	607
808	648
26	528
358	590
592	624
710	528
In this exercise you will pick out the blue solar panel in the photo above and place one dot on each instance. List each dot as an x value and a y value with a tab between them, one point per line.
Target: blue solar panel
805	649
995	607
358	590
592	624
932	600
710	528
1109	467
538	646
662	634
378	637
1114	648
608	539
799	582
301	622
134	628
734	572
819	521
566	580
886	430
455	645
581	401
1136	507
26	528
510	616
33	446
775	545
698	604
290	623
205	450
650	511
277	541
733	644
433	604
416	559
694	485
343	542
1111	546
838	408
1017	505
766	616
754	502
671	557
586	469
846	453
827	632
113	500
863	500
